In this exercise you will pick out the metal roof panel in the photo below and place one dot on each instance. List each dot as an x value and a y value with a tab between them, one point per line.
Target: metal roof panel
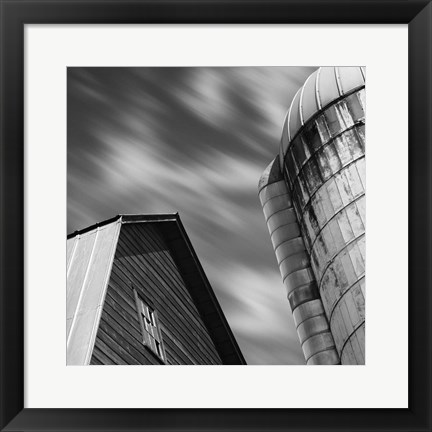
87	279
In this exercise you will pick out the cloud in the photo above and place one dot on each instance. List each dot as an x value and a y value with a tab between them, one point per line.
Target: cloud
258	312
193	140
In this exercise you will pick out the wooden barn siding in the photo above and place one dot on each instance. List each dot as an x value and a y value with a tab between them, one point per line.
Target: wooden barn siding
143	259
204	298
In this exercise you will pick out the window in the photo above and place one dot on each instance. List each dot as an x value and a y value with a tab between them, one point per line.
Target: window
150	327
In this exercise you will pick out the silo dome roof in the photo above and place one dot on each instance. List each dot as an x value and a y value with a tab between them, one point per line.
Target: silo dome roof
321	88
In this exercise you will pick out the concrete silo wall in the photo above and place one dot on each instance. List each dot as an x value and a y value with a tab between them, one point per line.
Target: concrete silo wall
324	167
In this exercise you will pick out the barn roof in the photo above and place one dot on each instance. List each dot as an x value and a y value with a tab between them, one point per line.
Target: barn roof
86	289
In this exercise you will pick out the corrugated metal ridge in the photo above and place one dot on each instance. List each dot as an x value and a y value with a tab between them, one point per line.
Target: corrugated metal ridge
128	218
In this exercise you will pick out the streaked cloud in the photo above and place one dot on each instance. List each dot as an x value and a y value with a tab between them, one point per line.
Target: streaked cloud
193	140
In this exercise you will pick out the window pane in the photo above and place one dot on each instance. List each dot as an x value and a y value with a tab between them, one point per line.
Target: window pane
152	344
151	336
155	333
152	318
158	349
146	324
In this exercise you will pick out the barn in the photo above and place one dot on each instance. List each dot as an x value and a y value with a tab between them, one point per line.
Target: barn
137	295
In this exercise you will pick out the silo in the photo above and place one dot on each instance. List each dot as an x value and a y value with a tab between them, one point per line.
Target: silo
294	264
322	160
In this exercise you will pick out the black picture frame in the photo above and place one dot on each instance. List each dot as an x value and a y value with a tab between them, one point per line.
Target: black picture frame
15	14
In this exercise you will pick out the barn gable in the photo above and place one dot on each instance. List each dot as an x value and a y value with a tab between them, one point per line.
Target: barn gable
147	260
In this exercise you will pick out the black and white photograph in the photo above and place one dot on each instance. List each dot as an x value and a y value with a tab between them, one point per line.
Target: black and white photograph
216	215
184	184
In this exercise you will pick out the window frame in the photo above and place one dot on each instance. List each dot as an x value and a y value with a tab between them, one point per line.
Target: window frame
150	339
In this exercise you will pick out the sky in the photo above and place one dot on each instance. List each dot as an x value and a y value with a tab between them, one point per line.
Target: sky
196	141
